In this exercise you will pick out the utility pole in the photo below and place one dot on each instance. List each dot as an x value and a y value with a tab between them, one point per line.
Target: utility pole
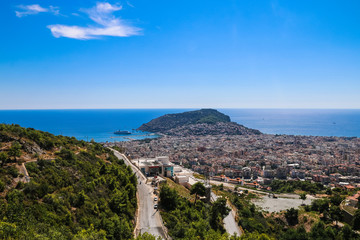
207	176
207	184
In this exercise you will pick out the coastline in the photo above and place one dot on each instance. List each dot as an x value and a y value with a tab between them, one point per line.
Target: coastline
100	124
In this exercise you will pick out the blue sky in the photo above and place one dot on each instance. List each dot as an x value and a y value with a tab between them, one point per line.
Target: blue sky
179	54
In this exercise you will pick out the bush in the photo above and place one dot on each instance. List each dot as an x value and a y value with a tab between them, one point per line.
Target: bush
13	171
307	208
2	186
320	205
291	216
291	186
168	198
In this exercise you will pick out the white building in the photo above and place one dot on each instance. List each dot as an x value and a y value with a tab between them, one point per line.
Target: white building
155	166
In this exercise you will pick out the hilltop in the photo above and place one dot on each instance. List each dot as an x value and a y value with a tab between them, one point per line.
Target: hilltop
56	187
199	122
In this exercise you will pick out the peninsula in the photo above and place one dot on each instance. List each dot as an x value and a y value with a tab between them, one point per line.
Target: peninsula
196	123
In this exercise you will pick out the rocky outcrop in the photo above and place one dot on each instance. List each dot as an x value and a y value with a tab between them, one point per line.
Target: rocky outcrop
32	148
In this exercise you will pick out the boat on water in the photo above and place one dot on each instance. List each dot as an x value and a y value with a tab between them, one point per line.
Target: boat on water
121	132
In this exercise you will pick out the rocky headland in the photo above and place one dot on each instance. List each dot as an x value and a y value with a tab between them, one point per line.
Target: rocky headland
196	123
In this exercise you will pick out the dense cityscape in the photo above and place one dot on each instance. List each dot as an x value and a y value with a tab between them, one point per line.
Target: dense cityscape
333	161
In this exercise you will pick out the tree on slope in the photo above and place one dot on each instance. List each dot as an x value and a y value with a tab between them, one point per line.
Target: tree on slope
218	212
198	189
3	158
291	216
168	198
356	220
15	150
303	197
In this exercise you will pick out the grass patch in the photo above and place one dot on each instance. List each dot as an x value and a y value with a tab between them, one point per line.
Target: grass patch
199	176
182	191
350	209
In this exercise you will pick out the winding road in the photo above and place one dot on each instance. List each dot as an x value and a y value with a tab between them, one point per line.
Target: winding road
149	219
230	224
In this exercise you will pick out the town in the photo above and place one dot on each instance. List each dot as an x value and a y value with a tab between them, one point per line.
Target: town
258	159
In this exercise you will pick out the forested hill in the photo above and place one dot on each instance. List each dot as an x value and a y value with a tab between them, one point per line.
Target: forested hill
199	122
75	189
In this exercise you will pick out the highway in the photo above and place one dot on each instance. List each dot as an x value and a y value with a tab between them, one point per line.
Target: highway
149	219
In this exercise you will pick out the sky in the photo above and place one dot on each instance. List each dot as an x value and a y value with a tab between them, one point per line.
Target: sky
72	54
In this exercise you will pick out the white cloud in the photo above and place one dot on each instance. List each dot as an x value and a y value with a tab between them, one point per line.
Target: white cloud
107	25
129	4
84	33
33	9
54	10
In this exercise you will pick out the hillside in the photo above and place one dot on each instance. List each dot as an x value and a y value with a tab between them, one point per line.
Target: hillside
74	189
199	122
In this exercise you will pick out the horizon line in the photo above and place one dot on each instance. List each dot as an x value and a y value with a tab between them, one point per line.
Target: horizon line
175	108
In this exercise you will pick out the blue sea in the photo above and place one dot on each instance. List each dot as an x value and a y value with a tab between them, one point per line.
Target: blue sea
101	124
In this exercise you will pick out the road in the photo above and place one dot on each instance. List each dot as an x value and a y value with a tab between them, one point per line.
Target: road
24	171
232	186
149	219
230	223
282	202
283	195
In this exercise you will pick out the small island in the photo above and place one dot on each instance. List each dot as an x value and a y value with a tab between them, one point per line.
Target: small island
196	123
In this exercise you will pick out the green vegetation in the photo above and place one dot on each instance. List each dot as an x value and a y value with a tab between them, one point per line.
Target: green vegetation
292	216
198	189
199	176
280	186
218	212
251	219
303	197
181	190
147	236
186	220
170	121
169	198
15	150
84	192
3	158
290	224
119	149
356	220
200	123
336	199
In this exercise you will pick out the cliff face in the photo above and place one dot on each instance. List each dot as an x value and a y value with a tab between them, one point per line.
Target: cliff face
199	122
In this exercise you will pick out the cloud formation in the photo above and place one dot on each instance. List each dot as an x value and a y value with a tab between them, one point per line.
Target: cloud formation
106	24
34	9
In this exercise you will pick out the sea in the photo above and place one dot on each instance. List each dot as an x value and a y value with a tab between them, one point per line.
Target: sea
100	124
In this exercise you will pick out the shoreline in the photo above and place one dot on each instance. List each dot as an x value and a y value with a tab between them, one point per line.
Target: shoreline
100	124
